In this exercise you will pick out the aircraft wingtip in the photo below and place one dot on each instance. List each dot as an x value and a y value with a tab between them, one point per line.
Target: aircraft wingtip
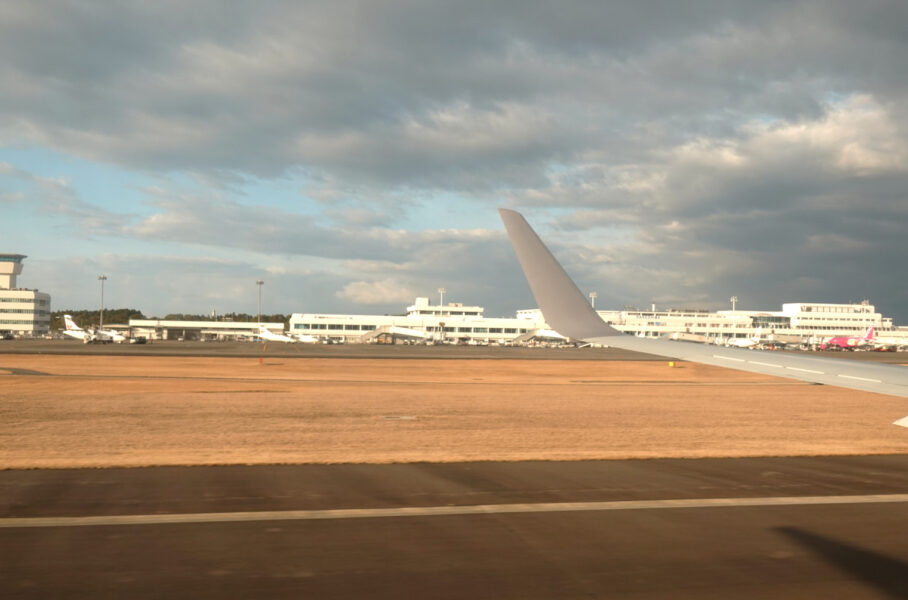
903	422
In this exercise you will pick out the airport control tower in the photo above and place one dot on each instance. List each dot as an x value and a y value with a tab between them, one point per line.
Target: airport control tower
10	266
23	312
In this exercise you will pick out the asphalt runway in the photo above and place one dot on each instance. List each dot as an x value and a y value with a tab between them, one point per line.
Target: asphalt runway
818	527
390	351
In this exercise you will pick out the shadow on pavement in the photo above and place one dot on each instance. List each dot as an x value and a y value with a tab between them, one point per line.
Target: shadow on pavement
887	575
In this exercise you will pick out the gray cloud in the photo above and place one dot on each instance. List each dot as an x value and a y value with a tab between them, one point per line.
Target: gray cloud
221	222
477	97
688	150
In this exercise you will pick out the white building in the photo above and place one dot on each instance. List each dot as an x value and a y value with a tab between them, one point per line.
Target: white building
800	320
22	311
452	322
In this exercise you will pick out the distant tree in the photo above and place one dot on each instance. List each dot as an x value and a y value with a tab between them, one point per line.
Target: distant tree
91	318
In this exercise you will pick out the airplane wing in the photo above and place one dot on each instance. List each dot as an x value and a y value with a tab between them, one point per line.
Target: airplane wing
567	311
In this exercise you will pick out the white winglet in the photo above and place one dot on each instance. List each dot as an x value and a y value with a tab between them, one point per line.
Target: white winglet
567	311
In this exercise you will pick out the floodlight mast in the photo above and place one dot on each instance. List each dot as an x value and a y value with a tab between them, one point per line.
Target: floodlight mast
441	294
260	283
102	279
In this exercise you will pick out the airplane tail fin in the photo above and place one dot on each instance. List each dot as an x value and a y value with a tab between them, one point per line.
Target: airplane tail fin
869	335
564	307
69	324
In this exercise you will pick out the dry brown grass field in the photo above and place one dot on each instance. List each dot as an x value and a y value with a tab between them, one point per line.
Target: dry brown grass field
99	411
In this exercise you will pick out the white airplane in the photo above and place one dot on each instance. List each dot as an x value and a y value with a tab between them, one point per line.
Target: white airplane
568	312
89	336
750	342
74	331
888	343
267	335
304	338
105	336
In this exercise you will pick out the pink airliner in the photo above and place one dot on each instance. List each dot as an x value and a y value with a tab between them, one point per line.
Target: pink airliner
848	342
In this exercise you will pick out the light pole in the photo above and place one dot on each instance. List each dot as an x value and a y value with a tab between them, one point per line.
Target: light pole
593	296
441	294
102	279
260	283
734	301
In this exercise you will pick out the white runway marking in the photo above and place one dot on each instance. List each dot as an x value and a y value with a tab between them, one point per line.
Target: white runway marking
860	378
729	358
764	364
805	370
437	511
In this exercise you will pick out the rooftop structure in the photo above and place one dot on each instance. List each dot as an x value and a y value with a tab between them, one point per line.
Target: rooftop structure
10	266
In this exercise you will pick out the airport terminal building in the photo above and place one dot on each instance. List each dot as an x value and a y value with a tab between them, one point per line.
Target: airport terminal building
423	322
450	323
798	319
454	322
23	312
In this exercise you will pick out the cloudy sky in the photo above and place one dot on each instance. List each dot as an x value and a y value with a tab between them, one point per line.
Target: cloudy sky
352	154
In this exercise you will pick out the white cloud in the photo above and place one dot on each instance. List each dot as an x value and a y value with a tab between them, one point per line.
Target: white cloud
386	291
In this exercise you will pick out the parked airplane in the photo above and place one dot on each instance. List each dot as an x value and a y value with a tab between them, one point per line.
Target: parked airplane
848	342
750	342
74	331
567	311
88	336
105	336
888	342
266	335
303	338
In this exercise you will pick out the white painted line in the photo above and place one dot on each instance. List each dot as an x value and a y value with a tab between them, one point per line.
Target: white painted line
763	364
860	378
805	370
437	511
729	358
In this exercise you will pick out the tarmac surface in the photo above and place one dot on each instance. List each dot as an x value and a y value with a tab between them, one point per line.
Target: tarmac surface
818	527
795	527
374	351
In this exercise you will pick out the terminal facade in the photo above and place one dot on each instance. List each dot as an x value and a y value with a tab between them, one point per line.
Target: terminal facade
452	322
423	322
23	312
456	322
799	319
